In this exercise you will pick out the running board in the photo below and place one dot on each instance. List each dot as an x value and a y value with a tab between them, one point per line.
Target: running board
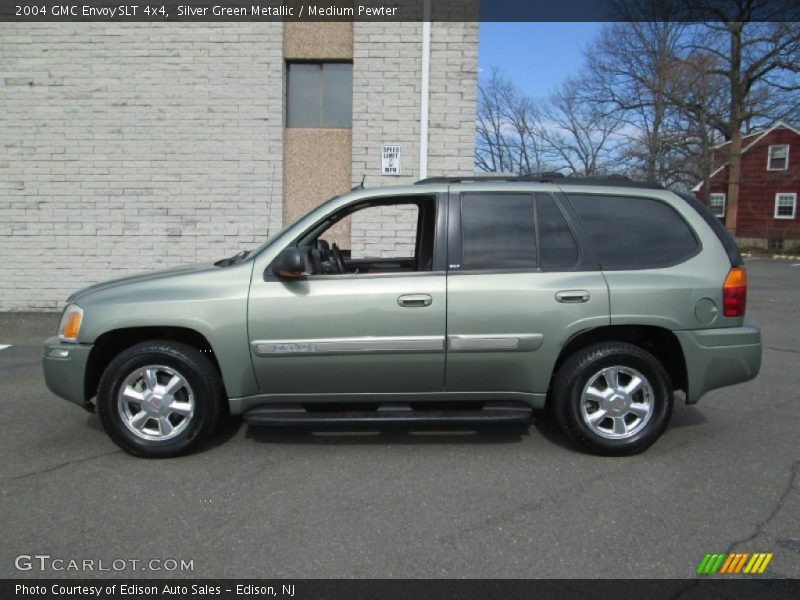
283	416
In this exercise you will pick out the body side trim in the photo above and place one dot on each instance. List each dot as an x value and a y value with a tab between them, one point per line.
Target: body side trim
515	342
348	345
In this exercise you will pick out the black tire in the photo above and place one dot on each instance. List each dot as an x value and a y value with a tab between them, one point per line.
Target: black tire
203	381
576	372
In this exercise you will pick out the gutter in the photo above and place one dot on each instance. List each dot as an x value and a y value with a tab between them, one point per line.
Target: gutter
424	99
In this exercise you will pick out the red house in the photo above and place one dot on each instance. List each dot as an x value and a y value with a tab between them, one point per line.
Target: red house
767	215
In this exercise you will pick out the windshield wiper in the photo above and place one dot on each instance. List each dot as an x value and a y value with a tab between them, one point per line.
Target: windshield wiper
238	257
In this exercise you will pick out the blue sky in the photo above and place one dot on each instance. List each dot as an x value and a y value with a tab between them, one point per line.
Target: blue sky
535	56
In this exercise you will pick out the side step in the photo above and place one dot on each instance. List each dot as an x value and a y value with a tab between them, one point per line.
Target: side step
296	415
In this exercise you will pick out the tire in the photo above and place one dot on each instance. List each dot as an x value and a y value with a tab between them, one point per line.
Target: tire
606	419
160	399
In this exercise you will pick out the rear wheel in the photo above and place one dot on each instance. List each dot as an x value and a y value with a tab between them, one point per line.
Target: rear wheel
612	398
159	399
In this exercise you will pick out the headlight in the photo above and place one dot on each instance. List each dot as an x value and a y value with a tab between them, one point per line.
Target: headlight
70	323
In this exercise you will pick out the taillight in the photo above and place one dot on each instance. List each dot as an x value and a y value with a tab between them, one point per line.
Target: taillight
734	293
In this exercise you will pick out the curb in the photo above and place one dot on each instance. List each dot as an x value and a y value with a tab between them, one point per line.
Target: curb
774	256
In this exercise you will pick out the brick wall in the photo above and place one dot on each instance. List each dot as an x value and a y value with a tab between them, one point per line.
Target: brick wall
387	62
130	147
756	216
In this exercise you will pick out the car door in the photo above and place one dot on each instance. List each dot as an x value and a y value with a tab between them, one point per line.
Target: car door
354	333
514	299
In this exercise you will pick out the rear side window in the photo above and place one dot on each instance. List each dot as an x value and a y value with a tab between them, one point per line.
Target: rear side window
634	233
497	231
557	248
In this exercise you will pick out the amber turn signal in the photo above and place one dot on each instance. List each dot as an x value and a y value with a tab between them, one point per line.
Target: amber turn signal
734	293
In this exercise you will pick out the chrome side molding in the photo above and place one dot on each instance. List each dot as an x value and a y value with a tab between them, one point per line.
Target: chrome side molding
514	342
348	345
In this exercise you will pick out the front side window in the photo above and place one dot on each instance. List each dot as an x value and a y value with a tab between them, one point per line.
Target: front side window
778	158
716	202
634	233
377	236
785	206
319	95
497	232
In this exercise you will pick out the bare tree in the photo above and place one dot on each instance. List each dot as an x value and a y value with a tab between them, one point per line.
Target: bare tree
581	135
631	68
507	134
759	62
699	98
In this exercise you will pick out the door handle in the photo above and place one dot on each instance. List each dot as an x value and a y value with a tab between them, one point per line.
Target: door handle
410	300
572	296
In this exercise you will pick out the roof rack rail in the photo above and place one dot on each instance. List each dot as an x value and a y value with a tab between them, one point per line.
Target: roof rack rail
494	177
549	177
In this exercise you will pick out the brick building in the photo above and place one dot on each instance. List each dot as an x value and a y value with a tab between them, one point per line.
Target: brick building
767	215
131	147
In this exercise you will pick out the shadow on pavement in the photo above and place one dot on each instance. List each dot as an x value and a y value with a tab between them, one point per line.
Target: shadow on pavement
388	434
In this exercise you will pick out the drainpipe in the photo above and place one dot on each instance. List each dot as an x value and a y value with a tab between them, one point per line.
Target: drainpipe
426	73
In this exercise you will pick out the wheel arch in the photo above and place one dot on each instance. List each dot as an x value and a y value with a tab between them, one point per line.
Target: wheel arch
661	343
109	344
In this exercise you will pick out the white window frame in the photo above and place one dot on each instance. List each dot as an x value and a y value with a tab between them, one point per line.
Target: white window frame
794	205
724	204
769	157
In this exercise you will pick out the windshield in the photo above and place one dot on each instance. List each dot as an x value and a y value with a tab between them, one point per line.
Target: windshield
272	238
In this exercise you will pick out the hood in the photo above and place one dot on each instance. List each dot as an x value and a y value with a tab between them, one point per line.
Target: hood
142	277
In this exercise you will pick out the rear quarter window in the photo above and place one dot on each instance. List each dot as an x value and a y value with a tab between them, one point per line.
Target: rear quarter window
634	233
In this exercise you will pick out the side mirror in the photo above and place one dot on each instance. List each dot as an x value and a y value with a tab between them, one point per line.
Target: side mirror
289	264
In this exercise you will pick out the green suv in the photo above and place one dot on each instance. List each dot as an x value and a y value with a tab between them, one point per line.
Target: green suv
488	297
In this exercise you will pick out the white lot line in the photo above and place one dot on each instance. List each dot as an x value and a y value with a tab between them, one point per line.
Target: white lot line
796	265
4	346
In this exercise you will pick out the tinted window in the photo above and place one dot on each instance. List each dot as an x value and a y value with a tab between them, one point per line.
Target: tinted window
497	232
557	249
319	95
634	233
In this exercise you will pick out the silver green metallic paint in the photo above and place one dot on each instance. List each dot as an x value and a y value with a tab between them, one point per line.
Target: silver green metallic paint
480	336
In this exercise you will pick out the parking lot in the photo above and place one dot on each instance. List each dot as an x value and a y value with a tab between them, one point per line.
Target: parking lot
398	503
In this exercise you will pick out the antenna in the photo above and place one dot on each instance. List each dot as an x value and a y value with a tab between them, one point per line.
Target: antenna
360	186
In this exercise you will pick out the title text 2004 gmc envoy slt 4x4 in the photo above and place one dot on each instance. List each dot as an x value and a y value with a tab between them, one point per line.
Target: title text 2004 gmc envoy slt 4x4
596	297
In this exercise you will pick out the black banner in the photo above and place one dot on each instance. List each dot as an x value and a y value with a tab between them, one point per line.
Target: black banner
398	10
382	589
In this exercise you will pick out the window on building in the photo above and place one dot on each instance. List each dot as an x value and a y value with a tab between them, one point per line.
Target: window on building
778	158
634	233
785	206
557	248
716	202
319	95
497	231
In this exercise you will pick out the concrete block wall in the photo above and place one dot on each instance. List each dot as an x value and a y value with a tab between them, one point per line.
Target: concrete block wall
387	63
130	147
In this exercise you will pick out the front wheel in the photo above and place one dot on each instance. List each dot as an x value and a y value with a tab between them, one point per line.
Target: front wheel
159	399
612	398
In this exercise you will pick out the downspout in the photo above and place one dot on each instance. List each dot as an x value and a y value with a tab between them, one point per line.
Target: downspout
426	74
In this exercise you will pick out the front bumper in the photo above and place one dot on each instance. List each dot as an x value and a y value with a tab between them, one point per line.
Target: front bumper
65	370
719	357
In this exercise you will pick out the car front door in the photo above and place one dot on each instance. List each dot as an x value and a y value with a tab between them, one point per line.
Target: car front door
378	328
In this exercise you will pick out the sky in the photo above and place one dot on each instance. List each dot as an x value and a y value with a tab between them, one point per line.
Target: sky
535	56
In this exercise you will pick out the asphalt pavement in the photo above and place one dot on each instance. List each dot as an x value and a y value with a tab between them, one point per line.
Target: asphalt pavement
399	503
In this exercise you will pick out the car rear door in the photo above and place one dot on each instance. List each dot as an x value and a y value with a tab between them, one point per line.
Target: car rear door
514	297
